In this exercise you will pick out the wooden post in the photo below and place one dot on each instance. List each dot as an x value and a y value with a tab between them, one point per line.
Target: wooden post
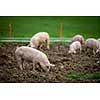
60	32
10	28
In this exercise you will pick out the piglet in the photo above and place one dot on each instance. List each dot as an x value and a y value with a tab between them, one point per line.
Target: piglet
75	46
79	38
93	44
38	39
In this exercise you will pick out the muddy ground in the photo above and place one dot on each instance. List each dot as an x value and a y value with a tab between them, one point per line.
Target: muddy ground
58	55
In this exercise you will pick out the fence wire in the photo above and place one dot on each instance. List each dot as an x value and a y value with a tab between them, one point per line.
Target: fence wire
28	39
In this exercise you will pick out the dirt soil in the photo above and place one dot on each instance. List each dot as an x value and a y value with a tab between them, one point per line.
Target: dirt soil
58	54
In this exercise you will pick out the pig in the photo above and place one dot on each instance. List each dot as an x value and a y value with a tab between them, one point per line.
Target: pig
38	39
75	46
98	50
93	44
25	53
79	38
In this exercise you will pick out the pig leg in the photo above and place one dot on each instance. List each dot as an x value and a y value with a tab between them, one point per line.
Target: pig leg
40	46
87	50
21	67
28	45
97	50
20	62
94	52
33	70
23	64
48	43
33	67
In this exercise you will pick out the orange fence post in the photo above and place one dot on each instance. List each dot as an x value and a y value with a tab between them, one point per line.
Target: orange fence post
10	28
60	32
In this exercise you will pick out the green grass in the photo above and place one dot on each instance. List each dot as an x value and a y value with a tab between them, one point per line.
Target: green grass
74	75
27	26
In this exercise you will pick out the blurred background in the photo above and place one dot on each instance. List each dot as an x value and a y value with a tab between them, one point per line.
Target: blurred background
57	26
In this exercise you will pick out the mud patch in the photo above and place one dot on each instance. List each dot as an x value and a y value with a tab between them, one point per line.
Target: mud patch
58	55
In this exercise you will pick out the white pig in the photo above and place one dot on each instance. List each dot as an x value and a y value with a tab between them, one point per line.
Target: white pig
98	50
93	44
38	39
79	38
75	46
25	53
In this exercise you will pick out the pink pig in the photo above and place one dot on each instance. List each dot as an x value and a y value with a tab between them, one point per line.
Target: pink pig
79	38
93	44
39	38
25	53
75	46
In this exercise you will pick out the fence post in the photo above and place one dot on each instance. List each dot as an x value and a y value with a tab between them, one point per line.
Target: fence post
10	28
60	32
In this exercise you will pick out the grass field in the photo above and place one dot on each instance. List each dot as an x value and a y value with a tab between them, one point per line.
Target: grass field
26	26
74	75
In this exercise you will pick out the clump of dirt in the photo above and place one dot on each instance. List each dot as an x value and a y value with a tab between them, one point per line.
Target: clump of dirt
58	55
